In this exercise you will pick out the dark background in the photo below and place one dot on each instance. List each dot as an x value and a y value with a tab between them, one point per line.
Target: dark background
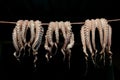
57	10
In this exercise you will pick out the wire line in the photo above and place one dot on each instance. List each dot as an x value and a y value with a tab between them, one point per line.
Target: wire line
8	22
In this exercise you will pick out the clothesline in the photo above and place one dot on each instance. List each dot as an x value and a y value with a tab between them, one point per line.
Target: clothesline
9	22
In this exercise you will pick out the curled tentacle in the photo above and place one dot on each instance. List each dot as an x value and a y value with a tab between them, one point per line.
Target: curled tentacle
15	43
19	34
71	44
48	56
48	40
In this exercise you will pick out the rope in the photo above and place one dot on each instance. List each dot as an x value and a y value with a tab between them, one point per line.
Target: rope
8	22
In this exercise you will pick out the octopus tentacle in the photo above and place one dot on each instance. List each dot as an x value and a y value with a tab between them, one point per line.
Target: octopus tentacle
93	28
38	24
50	33
19	34
15	43
108	46
67	26
109	40
82	32
105	31
88	42
37	36
24	33
32	31
101	35
62	28
56	33
49	42
47	48
99	27
69	46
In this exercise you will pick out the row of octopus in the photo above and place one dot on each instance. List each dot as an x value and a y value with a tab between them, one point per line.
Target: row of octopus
36	30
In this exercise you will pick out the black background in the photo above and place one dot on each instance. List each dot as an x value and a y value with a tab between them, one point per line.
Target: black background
57	10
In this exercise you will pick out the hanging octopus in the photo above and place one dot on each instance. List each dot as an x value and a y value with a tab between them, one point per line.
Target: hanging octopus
19	37
105	33
65	28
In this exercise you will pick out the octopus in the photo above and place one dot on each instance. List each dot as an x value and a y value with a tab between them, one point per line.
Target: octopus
19	37
65	28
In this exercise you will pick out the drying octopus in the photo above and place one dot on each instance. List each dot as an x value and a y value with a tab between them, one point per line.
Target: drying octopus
65	28
19	37
105	33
